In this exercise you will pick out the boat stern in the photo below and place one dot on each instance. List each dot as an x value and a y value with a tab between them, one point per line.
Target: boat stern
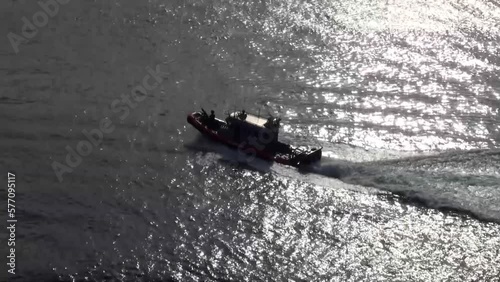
307	157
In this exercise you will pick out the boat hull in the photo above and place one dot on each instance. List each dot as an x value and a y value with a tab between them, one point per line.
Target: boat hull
245	148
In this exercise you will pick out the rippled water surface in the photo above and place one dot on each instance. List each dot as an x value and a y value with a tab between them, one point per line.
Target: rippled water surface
404	96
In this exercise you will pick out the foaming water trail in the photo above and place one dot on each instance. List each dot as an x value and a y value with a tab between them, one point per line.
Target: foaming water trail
433	181
337	168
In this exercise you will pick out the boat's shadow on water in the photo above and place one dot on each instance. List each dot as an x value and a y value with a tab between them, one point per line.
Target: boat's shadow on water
229	156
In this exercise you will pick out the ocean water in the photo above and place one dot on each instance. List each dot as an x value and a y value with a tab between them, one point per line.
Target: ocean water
404	96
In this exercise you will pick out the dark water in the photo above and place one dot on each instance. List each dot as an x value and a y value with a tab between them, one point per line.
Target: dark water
404	96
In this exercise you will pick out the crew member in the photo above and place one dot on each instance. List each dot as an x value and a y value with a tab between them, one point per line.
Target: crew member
243	115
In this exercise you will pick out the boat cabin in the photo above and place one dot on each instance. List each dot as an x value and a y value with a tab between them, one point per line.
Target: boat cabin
246	125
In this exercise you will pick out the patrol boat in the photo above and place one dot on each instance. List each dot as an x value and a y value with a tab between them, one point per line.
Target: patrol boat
253	136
